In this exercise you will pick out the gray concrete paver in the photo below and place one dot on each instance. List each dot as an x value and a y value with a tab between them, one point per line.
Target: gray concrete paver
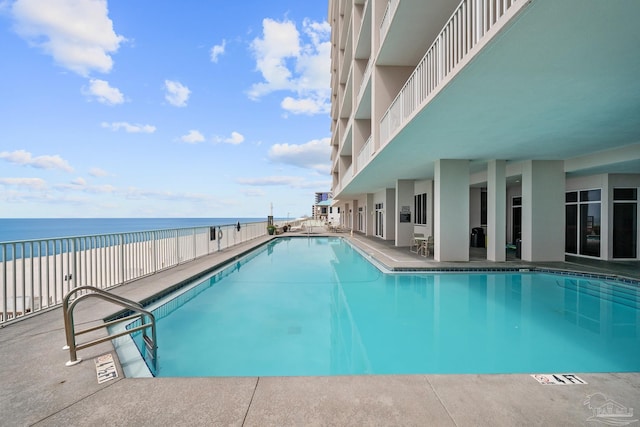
162	401
346	401
519	400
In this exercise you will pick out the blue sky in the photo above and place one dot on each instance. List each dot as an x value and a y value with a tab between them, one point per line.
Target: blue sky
158	108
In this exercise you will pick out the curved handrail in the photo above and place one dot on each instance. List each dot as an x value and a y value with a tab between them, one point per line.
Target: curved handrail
139	312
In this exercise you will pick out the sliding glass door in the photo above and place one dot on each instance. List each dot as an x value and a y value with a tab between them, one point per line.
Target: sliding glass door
583	222
625	223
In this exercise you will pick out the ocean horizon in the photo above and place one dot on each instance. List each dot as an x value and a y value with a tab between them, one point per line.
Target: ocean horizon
18	229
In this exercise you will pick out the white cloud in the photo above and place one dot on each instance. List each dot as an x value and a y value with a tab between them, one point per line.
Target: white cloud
280	42
288	63
253	192
314	154
235	139
128	127
22	157
293	181
78	34
283	181
317	184
97	172
177	94
79	184
30	183
308	106
217	50
104	92
101	189
140	194
193	137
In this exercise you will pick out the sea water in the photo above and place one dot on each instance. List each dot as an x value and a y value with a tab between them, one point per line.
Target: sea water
14	229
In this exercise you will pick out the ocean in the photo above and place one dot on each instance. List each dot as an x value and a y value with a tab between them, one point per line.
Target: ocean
16	229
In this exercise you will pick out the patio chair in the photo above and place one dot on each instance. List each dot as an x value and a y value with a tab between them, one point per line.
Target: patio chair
416	242
428	246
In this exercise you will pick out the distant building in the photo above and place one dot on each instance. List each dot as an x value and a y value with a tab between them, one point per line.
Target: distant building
520	118
322	209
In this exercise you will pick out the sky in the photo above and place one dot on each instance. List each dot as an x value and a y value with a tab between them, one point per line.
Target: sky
163	108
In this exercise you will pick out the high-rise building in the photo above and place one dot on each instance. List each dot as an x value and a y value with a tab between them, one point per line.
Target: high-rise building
322	209
517	117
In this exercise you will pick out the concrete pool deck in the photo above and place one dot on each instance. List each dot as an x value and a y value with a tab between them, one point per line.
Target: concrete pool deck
38	389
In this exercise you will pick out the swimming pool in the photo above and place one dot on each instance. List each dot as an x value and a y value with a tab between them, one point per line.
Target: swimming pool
316	306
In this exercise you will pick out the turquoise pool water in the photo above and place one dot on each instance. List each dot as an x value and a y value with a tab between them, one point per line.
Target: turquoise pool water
316	306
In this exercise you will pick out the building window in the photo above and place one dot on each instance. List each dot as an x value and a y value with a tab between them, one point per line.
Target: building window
379	219
625	222
420	208
516	219
583	222
483	208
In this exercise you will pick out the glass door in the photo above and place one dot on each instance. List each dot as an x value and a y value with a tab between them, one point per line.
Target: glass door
625	223
583	222
379	220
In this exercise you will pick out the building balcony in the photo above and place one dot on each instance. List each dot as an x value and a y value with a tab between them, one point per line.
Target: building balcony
470	27
410	25
513	80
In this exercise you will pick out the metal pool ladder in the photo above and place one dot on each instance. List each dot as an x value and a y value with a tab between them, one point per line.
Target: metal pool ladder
139	313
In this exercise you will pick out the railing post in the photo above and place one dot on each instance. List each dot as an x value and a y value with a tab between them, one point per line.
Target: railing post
4	282
154	251
195	249
177	246
121	239
14	277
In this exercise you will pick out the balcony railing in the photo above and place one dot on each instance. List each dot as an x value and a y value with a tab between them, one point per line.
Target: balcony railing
365	78
472	24
36	274
364	156
347	176
387	17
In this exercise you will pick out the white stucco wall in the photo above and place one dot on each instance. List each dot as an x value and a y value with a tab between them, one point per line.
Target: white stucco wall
451	210
543	219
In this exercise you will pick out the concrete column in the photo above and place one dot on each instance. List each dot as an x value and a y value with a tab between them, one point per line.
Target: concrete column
347	215
543	222
370	212
404	199
390	214
451	210
496	210
354	225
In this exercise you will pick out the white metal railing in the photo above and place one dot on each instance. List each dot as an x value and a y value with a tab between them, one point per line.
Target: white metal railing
36	274
364	156
467	28
347	176
365	78
387	17
348	131
347	97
